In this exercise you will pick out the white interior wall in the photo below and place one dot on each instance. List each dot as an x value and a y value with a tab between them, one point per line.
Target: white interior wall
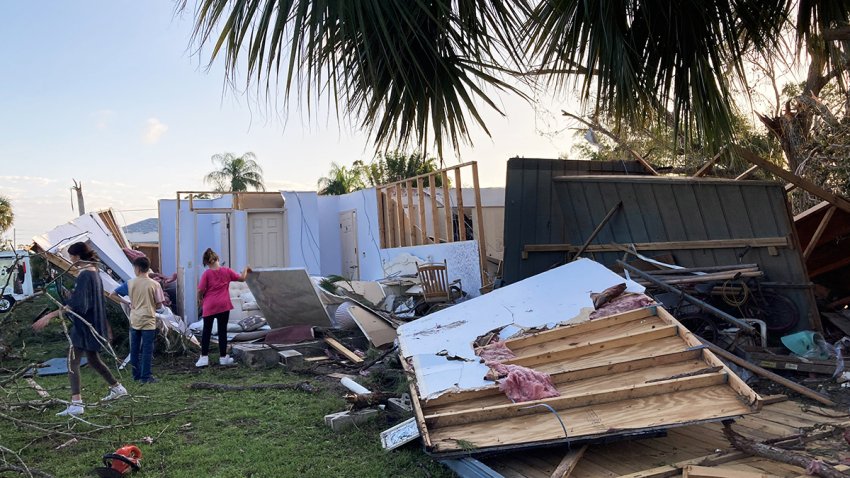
303	232
168	236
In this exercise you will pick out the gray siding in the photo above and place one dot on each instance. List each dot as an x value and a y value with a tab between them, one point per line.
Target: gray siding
542	210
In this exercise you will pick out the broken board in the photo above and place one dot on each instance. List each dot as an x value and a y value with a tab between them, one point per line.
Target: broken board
376	329
287	296
619	376
403	433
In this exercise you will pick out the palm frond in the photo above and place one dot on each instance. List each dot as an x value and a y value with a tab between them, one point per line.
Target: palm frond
410	72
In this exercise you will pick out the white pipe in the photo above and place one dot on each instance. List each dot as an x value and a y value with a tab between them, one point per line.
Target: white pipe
354	386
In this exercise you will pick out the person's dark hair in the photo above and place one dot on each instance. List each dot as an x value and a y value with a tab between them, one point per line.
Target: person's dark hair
83	251
143	263
210	257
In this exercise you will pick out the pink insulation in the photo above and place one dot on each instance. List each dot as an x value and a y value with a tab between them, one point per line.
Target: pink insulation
623	303
522	384
495	352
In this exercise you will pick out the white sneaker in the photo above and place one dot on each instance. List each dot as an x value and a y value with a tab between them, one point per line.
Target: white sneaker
115	392
203	361
226	360
74	408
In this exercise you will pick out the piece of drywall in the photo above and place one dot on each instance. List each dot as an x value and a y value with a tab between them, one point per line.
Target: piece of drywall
547	299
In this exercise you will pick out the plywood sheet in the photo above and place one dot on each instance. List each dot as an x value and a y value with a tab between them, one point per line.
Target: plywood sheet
287	296
376	329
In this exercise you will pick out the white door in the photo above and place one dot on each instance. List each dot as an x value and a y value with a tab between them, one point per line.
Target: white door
265	239
348	240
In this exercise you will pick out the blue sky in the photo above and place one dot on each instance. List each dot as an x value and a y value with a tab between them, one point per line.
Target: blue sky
109	93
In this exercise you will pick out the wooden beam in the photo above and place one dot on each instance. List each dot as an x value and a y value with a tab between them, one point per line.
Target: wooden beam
479	233
461	222
414	400
769	375
709	164
664	246
435	210
401	233
598	229
752	398
342	349
605	368
694	471
382	225
629	392
812	188
813	243
423	226
392	219
447	208
571	330
572	351
569	463
425	175
410	216
746	174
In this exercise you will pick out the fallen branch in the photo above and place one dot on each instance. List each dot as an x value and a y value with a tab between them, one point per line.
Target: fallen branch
38	388
811	465
24	471
359	401
221	387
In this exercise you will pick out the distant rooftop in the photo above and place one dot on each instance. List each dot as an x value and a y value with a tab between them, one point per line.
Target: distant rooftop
144	226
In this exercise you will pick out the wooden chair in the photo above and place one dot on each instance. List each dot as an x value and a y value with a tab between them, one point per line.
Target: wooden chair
434	279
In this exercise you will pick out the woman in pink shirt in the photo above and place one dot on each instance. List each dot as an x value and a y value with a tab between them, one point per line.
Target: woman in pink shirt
214	292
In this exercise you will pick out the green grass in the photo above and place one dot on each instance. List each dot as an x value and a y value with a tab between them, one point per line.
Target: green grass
222	434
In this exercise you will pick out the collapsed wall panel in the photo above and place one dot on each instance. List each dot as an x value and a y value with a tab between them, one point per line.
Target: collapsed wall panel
619	376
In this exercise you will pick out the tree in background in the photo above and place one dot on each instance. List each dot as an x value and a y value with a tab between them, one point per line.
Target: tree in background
236	174
7	217
341	180
396	166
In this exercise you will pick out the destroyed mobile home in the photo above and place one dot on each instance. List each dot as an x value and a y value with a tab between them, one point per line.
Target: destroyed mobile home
627	309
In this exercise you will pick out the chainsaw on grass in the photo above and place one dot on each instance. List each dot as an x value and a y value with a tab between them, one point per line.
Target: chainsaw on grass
124	461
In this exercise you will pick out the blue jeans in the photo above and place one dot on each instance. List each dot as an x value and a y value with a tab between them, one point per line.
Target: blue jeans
141	353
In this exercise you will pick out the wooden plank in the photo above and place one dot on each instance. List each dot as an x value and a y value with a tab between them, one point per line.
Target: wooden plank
447	208
665	246
746	174
563	402
572	330
402	227
410	217
641	414
342	349
709	164
392	219
413	178
810	187
740	387
597	229
461	214
382	225
569	463
479	233
813	242
417	406
564	353
423	226
435	210
574	375
769	375
694	471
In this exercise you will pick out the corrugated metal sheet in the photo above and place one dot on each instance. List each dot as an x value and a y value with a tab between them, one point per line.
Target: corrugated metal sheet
543	210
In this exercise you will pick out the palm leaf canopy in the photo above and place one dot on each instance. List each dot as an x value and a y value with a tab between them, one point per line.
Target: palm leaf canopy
236	173
7	217
419	71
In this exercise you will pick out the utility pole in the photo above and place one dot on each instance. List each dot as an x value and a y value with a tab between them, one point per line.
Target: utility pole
81	205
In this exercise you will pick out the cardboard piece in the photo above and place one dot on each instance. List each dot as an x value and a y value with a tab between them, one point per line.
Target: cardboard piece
287	296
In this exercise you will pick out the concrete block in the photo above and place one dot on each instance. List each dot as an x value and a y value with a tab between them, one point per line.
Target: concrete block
344	420
256	356
291	359
401	405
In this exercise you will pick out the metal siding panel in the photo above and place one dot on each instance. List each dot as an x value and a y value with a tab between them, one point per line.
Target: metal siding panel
513	219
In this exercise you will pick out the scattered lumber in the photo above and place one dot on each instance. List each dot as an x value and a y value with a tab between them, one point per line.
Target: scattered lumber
342	349
811	465
695	471
768	374
221	387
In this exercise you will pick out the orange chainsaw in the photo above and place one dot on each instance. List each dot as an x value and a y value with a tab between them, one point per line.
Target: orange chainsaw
124	461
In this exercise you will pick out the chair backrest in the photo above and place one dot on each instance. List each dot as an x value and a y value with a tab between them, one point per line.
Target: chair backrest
434	279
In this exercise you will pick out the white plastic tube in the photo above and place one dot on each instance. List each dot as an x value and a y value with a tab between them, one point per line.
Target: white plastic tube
354	386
